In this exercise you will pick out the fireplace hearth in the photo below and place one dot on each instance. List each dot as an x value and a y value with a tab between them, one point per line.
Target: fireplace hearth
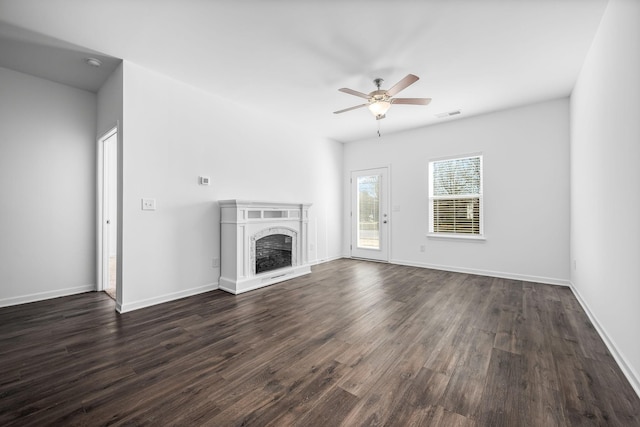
262	243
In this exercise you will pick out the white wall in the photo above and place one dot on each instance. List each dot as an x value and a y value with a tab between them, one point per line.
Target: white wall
174	133
605	183
109	101
47	189
526	191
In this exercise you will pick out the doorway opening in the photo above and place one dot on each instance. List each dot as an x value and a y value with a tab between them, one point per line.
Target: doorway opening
108	213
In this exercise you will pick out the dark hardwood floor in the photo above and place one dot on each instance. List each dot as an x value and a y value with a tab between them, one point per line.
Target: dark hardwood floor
354	343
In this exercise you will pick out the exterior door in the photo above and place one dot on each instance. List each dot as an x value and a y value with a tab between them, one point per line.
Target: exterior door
370	214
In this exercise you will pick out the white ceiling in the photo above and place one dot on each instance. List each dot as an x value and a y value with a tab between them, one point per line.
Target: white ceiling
33	53
287	58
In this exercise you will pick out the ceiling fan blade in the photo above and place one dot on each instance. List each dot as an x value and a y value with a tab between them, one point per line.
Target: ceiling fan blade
350	108
354	92
402	84
411	101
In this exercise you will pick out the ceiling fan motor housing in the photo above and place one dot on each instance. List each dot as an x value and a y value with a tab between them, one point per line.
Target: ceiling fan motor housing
378	95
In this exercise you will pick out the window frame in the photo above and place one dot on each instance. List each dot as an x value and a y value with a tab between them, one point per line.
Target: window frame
462	236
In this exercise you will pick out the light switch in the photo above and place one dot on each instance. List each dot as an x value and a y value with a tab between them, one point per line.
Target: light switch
148	204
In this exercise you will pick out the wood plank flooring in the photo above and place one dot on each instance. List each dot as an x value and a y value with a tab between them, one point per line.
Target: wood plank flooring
354	343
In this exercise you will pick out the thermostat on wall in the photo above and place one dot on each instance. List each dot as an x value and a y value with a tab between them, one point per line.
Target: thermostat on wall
205	180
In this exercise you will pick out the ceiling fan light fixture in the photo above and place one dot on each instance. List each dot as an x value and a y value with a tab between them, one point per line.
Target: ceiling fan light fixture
379	108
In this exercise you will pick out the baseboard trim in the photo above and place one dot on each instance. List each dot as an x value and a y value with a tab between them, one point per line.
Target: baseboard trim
627	369
490	273
41	296
136	305
323	260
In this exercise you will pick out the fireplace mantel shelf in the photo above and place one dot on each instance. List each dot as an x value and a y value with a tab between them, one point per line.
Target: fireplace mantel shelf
260	204
242	223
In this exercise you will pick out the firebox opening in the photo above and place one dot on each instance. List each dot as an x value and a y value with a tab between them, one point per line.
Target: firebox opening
273	252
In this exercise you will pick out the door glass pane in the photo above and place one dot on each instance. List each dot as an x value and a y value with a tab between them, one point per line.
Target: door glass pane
369	212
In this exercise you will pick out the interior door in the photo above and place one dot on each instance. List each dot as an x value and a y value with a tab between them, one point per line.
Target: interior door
370	214
108	214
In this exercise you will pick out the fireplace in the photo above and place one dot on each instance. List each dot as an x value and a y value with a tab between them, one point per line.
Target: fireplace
272	252
262	243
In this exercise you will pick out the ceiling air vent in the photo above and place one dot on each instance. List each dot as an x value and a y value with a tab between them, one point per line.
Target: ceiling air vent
447	114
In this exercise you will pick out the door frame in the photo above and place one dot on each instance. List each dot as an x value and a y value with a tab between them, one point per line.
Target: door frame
102	261
384	253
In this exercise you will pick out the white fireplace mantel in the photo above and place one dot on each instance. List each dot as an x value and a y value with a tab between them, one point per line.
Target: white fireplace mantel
241	223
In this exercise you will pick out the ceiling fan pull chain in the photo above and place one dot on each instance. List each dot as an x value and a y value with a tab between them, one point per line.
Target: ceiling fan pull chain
379	135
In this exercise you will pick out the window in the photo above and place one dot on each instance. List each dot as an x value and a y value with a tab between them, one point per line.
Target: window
455	196
369	211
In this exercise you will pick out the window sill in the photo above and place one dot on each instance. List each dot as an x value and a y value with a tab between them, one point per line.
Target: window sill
446	236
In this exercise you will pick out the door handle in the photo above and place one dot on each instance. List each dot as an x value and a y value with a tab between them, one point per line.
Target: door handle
384	222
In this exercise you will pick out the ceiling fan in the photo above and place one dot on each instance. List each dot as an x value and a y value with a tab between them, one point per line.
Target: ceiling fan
379	101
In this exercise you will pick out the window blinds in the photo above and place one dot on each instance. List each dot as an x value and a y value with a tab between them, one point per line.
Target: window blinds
456	195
